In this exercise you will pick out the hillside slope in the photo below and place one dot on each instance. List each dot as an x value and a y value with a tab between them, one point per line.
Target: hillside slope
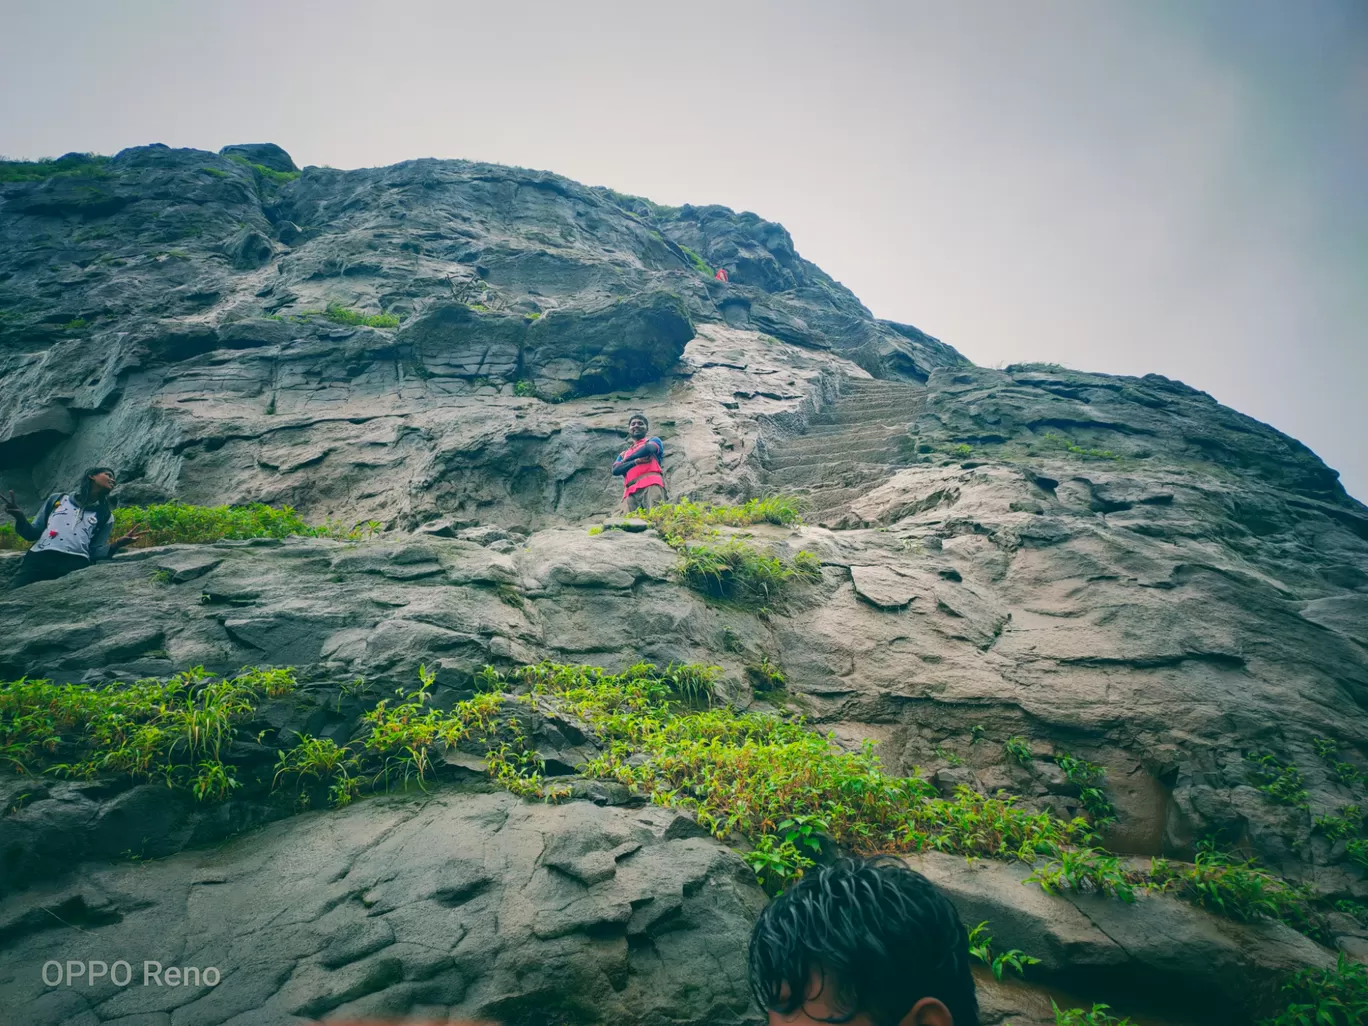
1115	569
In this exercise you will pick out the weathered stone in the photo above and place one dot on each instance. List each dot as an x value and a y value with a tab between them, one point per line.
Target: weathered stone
268	155
481	904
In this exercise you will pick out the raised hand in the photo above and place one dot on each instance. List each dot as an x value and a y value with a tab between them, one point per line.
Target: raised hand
12	506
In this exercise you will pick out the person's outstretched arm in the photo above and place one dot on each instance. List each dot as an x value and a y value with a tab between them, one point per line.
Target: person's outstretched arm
29	532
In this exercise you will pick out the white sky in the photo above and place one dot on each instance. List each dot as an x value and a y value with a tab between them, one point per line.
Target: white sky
1176	186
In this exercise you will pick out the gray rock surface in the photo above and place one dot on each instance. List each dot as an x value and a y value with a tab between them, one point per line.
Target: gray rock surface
1116	567
474	906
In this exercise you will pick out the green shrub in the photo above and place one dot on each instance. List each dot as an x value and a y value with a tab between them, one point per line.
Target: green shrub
526	389
700	265
1084	870
765	676
272	175
1096	1016
269	174
1087	777
776	862
1347	824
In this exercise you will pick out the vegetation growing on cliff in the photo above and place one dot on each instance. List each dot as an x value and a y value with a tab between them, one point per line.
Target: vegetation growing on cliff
177	730
685	520
182	523
734	570
73	164
773	787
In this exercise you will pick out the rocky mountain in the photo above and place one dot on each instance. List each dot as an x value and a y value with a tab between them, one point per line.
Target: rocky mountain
1117	571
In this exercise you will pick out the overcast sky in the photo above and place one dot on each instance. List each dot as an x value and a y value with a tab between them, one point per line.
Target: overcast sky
1178	187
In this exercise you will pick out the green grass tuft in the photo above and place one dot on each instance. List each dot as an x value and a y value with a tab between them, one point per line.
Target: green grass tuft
700	265
739	572
343	315
683	520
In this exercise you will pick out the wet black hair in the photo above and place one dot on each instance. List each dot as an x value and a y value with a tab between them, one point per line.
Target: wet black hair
82	493
879	934
642	416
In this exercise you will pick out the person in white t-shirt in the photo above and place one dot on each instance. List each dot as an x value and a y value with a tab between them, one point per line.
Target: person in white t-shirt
70	532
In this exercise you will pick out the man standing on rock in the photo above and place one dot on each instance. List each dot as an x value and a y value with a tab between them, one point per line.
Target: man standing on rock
70	532
639	465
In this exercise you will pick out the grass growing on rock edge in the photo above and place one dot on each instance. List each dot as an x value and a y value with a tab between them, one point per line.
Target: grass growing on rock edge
735	570
181	523
38	170
343	315
177	730
773	787
685	520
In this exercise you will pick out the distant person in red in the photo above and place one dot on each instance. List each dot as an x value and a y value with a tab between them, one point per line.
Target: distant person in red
721	274
639	466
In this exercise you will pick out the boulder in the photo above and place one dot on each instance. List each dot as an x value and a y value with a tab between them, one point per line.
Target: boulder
268	155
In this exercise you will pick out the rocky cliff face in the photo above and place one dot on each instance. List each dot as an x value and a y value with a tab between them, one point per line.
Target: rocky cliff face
1116	567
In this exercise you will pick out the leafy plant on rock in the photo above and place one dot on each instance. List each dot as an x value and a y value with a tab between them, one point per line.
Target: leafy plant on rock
1018	748
980	947
776	863
765	676
1087	777
176	730
1086	870
685	520
1098	1015
1237	889
1326	997
1279	780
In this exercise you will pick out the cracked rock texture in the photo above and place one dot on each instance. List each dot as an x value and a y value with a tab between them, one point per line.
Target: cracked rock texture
1116	567
472	905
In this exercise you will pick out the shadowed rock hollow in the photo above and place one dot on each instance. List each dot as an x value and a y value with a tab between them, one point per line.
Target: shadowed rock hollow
1119	568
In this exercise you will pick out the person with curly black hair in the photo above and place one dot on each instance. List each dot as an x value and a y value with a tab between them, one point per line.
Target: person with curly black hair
865	943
